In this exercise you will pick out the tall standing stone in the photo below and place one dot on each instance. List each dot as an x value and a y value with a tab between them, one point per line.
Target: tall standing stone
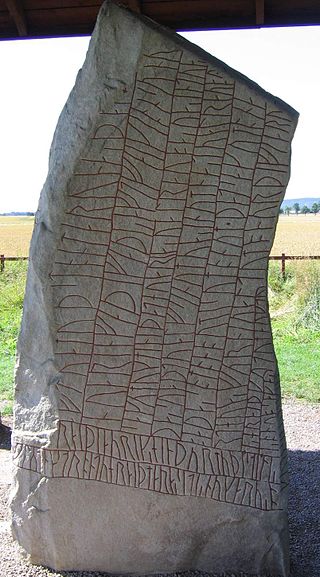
148	427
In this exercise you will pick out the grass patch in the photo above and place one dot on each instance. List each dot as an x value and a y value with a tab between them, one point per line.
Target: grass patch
297	350
295	318
12	285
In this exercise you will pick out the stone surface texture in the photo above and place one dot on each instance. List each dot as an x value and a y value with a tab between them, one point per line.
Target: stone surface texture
148	429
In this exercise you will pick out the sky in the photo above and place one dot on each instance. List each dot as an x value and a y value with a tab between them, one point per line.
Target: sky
38	75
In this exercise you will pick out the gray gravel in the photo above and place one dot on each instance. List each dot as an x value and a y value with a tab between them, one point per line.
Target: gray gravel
302	423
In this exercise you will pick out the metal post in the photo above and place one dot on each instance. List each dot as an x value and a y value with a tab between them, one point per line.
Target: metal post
2	259
283	265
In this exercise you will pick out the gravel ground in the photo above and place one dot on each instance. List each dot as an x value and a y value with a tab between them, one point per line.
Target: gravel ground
302	423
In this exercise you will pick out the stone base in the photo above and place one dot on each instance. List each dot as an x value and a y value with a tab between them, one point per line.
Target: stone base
87	525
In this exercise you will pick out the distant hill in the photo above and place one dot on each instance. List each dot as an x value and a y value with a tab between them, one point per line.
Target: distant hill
17	214
302	201
287	202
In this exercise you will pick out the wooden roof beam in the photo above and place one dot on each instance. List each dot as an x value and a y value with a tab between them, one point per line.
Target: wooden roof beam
134	5
260	12
17	13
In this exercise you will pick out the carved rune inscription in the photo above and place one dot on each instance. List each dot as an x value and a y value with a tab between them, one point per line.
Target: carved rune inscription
167	372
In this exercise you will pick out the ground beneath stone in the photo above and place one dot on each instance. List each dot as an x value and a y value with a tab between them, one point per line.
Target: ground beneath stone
302	423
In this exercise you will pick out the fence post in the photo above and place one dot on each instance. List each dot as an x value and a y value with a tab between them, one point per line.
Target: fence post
283	265
2	259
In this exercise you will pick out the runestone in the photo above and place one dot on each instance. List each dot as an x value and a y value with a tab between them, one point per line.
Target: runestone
147	390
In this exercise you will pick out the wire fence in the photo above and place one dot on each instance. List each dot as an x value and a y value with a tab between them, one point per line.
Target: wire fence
4	258
283	258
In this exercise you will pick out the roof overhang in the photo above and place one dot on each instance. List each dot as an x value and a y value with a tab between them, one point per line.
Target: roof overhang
53	18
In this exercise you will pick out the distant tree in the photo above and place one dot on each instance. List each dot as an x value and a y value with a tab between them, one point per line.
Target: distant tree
287	210
305	209
296	207
315	208
281	210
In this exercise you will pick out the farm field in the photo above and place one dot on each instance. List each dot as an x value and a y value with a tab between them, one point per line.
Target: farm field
15	235
296	235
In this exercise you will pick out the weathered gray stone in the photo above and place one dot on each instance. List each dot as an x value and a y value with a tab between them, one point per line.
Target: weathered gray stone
148	427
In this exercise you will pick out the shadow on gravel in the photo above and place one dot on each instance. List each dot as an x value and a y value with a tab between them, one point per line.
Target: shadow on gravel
304	513
5	436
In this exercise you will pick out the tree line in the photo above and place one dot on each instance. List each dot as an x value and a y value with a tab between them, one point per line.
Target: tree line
315	208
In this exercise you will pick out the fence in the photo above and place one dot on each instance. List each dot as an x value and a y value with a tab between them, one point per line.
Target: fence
285	257
282	258
4	258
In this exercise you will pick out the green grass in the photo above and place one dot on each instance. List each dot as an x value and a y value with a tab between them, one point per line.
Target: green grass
297	351
295	314
12	283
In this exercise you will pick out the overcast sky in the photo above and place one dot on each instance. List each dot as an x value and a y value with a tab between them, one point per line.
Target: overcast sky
37	76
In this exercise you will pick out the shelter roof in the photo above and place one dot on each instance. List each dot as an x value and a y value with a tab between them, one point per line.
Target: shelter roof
49	18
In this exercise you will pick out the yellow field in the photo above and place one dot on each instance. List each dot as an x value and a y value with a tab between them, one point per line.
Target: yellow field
296	235
15	235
